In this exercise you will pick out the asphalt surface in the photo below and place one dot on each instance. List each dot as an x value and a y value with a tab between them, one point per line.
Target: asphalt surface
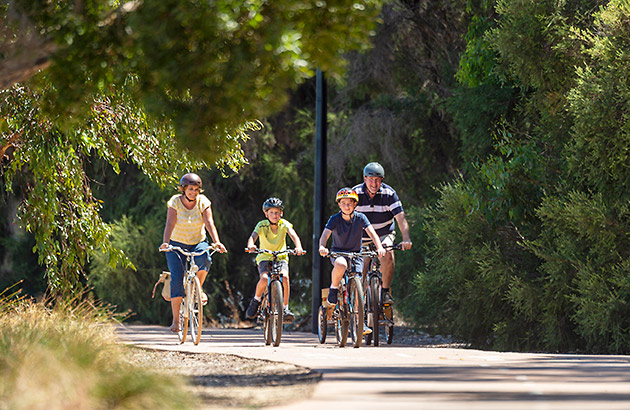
408	377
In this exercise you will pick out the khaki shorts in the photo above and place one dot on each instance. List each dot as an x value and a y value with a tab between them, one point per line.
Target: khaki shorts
386	240
264	267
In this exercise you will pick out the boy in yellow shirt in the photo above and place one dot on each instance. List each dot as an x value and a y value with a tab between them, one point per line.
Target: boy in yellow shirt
271	233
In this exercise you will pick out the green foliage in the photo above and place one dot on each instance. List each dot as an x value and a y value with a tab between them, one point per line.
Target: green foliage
584	252
130	289
208	66
72	357
58	205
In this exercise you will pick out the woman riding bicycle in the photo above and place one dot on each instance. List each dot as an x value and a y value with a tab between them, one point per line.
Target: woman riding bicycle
188	216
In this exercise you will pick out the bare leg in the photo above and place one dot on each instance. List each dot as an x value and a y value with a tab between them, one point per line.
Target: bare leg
260	286
387	269
286	289
201	274
338	270
176	303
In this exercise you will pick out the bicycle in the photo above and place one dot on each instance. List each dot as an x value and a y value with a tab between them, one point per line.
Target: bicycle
270	311
346	315
191	310
377	313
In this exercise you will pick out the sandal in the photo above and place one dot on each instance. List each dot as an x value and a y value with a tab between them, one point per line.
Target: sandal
204	298
175	328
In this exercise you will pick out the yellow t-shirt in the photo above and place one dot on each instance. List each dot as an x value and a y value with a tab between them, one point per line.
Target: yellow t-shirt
272	241
189	228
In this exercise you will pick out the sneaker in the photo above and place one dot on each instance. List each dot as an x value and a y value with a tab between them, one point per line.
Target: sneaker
387	298
366	329
252	309
287	315
332	296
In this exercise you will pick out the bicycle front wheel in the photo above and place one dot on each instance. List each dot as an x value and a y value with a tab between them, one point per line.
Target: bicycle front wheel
322	324
266	318
357	312
375	292
275	305
195	311
183	320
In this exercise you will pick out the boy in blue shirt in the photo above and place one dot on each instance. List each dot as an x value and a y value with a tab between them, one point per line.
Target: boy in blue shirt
346	228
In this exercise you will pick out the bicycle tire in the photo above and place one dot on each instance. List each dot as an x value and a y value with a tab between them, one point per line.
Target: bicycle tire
276	318
368	314
375	292
264	312
183	321
196	312
322	327
389	331
356	310
341	326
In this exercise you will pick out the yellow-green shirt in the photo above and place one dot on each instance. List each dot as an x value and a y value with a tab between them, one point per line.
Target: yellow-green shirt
272	241
189	228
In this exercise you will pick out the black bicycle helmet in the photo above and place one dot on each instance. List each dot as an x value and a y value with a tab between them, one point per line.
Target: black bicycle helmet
374	169
272	203
190	179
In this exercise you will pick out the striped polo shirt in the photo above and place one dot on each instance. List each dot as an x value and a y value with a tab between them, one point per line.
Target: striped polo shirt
379	210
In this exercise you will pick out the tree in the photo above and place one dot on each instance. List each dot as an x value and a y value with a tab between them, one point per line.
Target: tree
209	66
138	82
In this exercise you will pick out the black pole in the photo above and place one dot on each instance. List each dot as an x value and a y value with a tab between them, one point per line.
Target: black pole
319	190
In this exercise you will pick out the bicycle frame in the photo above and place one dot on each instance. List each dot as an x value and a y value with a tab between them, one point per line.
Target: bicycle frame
377	313
191	309
271	311
348	315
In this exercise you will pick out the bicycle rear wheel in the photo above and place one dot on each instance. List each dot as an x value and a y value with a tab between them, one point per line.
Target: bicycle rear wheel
375	292
357	311
276	312
322	327
195	311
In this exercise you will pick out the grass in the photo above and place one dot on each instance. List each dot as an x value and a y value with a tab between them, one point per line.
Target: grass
65	355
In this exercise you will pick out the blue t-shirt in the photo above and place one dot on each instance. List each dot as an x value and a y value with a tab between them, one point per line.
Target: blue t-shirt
346	235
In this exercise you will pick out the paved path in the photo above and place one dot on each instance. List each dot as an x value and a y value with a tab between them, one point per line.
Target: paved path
407	377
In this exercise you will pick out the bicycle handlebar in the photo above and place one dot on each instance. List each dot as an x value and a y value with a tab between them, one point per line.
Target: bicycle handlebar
191	254
396	247
351	255
274	253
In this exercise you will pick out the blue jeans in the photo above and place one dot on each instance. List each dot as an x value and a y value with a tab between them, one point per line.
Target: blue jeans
177	263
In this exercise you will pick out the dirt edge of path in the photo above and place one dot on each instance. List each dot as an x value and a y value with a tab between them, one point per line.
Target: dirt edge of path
224	380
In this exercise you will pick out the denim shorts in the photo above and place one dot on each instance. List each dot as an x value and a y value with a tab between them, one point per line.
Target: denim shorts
355	265
177	263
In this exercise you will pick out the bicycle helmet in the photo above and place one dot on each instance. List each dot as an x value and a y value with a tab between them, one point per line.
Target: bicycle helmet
190	179
272	203
374	169
346	193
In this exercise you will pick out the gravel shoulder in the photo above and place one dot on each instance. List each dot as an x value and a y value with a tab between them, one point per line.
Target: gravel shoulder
230	381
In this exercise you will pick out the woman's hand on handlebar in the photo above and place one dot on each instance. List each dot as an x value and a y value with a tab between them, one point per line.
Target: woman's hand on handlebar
164	246
250	249
299	251
219	247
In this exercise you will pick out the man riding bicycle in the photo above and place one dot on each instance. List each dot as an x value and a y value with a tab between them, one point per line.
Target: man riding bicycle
380	203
